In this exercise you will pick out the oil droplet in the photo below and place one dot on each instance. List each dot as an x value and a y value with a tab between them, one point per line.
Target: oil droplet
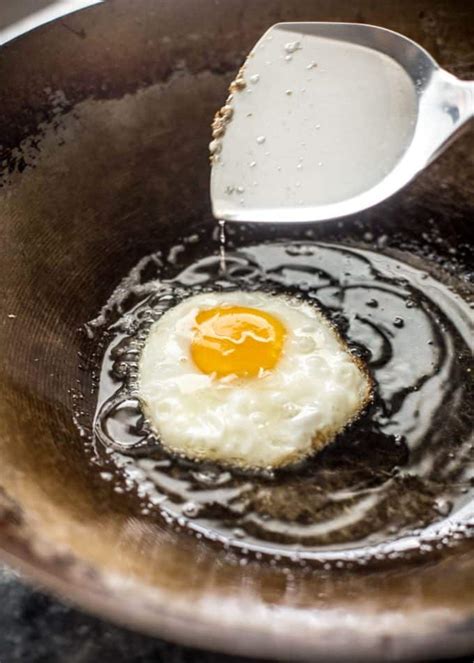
191	510
398	322
254	78
238	533
292	46
288	92
261	140
443	507
222	264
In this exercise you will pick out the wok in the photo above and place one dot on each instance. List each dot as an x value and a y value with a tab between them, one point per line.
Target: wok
104	126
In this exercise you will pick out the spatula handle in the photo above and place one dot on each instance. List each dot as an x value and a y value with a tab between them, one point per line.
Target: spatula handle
452	106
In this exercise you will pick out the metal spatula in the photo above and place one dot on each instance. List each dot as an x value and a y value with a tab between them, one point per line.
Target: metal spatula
327	119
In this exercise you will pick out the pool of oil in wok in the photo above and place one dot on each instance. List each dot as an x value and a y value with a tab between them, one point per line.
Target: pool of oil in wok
399	475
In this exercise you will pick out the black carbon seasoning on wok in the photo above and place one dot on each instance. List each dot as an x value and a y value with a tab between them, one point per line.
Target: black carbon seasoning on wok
402	472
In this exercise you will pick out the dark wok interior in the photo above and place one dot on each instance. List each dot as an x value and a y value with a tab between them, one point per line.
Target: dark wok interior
104	121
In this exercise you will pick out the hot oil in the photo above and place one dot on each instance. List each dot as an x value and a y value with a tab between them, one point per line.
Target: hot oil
399	475
222	245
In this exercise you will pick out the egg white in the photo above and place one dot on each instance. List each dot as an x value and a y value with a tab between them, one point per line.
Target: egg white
313	392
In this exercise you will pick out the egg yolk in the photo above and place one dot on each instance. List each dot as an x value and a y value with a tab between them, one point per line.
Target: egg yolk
236	340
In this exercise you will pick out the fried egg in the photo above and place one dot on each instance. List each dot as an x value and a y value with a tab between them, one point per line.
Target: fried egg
249	379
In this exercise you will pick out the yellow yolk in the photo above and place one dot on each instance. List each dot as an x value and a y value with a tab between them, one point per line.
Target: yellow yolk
236	340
